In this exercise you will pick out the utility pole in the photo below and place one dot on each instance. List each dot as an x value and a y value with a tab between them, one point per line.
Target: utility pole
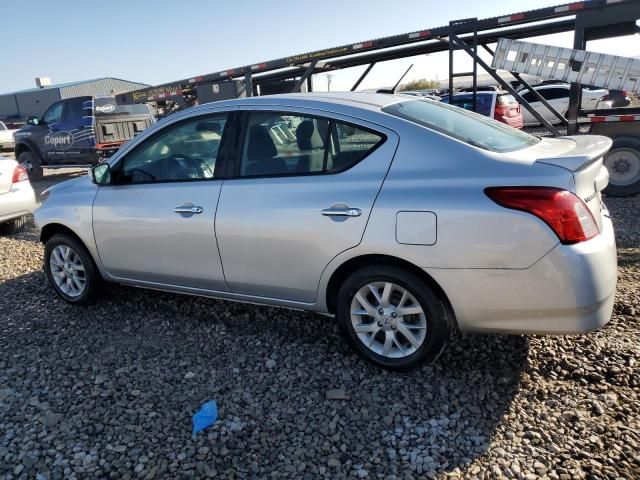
329	77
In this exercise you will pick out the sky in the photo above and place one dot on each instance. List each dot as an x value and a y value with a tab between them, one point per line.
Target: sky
159	41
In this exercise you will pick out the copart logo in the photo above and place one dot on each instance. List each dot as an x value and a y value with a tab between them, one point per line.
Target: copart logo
59	140
108	108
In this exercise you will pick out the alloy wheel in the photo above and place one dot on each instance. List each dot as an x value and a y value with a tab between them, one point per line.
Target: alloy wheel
388	319
67	271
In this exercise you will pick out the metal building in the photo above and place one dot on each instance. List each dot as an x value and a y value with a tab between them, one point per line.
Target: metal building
35	101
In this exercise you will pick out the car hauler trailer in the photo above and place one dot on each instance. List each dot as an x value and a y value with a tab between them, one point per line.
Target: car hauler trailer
589	20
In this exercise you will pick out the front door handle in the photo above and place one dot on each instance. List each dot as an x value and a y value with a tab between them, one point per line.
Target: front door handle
341	212
188	209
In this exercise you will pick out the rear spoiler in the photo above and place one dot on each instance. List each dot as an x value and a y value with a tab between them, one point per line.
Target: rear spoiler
588	149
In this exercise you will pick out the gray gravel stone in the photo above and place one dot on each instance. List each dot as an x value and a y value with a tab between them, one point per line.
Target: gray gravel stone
106	391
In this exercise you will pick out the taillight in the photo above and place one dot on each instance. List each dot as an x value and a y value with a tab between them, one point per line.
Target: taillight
563	211
20	174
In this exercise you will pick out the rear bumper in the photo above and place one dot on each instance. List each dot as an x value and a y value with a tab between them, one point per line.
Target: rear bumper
515	122
17	202
570	290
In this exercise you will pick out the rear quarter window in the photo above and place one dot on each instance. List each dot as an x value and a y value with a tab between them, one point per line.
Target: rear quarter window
468	127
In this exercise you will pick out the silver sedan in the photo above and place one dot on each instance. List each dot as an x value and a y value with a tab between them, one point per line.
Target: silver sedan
402	217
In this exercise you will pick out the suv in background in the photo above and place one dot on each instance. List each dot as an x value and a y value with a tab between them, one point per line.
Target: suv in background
496	104
558	96
78	131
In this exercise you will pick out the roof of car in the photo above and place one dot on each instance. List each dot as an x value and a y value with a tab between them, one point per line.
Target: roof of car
365	100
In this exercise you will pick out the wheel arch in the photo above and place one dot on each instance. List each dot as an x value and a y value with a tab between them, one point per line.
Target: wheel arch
27	146
355	263
54	228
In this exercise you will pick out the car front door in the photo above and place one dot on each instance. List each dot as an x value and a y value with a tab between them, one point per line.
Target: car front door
301	193
155	223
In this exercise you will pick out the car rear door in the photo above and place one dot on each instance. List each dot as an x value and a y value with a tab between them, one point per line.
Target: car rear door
155	223
77	123
301	193
53	140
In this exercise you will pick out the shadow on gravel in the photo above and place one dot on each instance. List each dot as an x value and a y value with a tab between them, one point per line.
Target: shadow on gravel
119	381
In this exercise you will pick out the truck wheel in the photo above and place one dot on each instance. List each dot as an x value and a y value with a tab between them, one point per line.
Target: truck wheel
623	163
31	162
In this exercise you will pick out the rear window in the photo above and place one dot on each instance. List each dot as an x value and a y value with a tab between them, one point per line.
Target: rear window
468	127
506	99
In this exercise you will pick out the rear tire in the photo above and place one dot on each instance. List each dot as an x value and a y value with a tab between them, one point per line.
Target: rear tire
402	326
623	164
71	270
31	162
14	226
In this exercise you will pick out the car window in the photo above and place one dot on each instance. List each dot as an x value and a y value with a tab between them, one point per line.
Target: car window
2	127
278	143
349	145
181	152
468	127
75	109
54	114
283	144
554	93
465	100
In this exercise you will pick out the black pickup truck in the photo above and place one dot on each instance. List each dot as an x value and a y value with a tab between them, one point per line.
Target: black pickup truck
78	131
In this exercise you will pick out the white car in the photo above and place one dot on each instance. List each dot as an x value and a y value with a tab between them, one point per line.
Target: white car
17	198
6	137
558	96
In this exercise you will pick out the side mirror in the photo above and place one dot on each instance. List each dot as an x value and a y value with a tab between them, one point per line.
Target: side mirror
100	174
32	120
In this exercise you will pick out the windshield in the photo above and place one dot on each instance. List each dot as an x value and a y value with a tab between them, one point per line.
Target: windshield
2	127
469	127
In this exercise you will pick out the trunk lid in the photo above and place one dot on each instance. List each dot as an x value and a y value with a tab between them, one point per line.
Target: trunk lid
585	161
6	174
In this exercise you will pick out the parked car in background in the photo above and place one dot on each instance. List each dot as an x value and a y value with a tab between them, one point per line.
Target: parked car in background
495	104
77	132
558	96
6	137
403	217
617	99
421	93
17	198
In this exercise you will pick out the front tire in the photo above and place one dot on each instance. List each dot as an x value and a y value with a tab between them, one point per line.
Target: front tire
392	317
70	270
32	164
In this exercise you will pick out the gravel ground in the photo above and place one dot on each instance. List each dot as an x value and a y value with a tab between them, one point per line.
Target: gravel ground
108	391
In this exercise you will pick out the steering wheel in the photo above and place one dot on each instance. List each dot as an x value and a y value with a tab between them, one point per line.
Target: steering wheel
183	167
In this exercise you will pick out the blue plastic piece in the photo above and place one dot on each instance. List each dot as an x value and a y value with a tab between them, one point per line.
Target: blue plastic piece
204	418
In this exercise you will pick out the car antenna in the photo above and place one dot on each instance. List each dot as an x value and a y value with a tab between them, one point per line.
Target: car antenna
393	90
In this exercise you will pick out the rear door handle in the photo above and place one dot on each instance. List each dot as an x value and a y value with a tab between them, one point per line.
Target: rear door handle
341	212
188	209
